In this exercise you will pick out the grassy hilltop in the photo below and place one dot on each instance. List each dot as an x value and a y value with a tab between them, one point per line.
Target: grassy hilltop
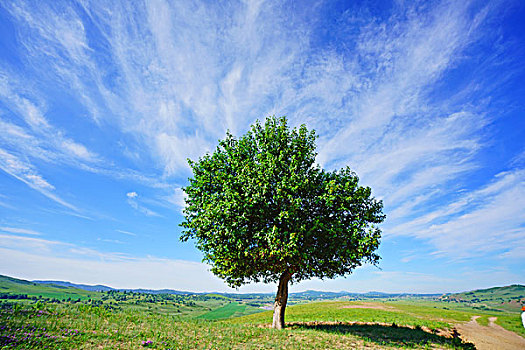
500	298
13	286
34	316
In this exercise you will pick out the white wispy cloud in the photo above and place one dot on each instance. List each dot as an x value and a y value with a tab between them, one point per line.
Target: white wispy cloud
32	245
85	265
133	201
20	145
487	220
127	233
189	78
152	272
178	198
25	172
26	136
41	139
173	199
116	241
4	198
118	270
25	243
19	230
173	76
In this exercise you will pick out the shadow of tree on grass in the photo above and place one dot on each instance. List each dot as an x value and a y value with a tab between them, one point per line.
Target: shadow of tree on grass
388	335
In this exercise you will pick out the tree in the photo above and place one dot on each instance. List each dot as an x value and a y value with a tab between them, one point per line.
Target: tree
261	210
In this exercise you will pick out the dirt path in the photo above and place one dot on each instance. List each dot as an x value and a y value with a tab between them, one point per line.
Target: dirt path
491	337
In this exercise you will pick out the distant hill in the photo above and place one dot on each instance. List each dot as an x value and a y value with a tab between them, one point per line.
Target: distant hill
96	288
37	285
314	294
306	295
102	288
509	297
22	289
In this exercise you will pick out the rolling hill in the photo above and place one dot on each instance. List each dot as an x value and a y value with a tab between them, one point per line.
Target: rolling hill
509	297
26	289
305	295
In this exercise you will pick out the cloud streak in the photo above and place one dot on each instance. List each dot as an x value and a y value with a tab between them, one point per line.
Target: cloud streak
127	233
133	201
488	220
19	230
25	172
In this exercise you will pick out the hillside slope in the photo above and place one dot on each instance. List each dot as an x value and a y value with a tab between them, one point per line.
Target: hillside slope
509	297
14	287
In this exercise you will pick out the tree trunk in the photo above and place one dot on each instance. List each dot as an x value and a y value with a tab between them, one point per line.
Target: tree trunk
280	301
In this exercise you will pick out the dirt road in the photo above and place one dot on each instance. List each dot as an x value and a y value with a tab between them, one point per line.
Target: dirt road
491	337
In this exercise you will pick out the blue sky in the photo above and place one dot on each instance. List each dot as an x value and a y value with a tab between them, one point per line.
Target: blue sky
101	103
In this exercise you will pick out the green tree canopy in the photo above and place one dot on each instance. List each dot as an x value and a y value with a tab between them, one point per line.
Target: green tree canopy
260	209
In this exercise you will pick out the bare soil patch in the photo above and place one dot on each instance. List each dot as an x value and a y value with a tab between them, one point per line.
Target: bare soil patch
489	337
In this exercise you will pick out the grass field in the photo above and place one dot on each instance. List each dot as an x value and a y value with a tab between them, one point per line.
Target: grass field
36	316
232	309
77	326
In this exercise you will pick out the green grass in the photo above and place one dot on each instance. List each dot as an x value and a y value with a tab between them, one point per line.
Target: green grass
335	312
483	320
124	320
76	326
233	309
430	314
512	323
